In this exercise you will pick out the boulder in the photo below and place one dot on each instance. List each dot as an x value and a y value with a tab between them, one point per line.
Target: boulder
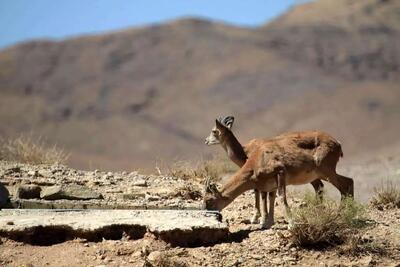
70	192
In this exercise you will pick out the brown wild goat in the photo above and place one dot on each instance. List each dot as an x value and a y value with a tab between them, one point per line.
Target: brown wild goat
238	155
292	158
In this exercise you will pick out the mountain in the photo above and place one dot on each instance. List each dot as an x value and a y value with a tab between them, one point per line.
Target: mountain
355	39
132	98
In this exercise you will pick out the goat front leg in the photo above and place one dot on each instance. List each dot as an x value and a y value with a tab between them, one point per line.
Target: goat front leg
256	213
271	199
281	177
264	212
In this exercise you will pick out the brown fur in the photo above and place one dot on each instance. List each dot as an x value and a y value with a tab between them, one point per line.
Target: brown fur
236	153
294	158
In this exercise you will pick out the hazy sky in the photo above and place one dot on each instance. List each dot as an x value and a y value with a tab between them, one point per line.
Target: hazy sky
29	19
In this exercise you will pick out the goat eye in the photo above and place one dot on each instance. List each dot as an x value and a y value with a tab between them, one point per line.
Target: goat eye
214	131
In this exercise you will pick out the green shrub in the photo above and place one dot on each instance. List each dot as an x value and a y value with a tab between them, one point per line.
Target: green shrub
322	223
352	213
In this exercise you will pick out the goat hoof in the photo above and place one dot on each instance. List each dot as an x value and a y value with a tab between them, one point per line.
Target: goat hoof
266	225
255	219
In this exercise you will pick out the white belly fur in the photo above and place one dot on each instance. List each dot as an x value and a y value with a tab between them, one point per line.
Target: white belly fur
301	178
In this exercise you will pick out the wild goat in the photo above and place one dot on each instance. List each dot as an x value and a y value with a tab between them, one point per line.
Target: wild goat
292	158
238	155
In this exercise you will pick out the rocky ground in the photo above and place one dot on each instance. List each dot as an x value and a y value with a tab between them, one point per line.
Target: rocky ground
57	186
61	187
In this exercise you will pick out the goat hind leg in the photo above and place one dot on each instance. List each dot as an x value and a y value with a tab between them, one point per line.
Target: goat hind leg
319	189
282	195
344	184
347	186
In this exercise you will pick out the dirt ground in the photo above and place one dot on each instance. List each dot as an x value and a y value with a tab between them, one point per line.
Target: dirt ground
249	247
258	248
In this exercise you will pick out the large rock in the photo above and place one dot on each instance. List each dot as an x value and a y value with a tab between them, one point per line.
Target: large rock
70	192
177	227
4	194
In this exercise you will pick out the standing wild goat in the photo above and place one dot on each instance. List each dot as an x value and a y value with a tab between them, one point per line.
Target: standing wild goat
291	159
238	155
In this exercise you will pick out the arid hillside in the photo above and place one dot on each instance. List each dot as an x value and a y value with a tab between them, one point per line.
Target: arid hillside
132	98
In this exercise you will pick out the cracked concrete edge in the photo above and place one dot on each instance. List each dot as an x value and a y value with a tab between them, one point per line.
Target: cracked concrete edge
177	227
154	220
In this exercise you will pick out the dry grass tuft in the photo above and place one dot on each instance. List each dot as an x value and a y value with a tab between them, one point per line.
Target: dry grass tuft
357	245
387	196
319	224
26	149
214	169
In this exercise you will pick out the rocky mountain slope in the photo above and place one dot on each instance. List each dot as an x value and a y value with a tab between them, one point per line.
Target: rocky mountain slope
132	98
355	39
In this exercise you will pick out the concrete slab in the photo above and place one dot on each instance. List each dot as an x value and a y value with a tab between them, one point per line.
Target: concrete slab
178	227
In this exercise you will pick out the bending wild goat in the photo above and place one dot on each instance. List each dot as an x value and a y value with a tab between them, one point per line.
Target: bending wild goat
294	158
238	155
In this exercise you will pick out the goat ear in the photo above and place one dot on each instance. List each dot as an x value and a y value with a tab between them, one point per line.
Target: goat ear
228	121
